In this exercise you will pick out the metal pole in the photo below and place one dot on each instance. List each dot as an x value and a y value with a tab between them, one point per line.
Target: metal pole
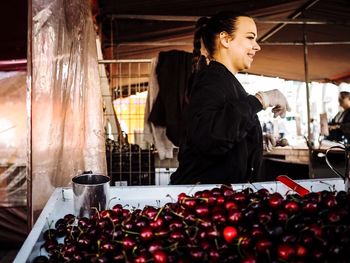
306	68
29	175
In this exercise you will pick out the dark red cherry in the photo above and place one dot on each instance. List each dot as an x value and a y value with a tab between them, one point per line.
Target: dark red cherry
146	234
263	245
285	251
159	256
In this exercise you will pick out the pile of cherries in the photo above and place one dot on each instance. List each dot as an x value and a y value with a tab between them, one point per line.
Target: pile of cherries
217	225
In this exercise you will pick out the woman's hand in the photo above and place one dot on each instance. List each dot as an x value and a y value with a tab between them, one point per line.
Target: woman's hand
333	127
274	98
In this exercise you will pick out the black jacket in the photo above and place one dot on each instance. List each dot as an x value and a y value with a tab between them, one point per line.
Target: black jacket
344	131
222	142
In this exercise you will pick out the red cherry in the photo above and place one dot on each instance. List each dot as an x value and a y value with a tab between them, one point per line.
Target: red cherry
282	216
310	207
245	241
234	216
316	229
230	233
177	235
150	212
205	194
292	207
140	259
125	212
263	192
230	205
285	251
118	209
181	197
257	231
154	246
263	245
301	251
106	213
158	223
214	255
159	256
146	234
212	233
108	248
220	200
205	223
248	259
128	243
333	217
275	200
204	244
176	224
189	202
264	217
218	217
215	191
239	197
197	254
228	192
202	210
330	201
69	218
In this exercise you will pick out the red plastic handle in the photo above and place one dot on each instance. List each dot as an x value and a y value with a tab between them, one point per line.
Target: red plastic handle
284	179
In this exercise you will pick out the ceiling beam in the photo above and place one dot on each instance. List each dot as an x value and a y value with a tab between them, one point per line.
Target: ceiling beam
293	17
257	20
188	43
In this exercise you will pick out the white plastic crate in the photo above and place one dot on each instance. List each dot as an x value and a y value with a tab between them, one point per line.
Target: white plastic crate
61	203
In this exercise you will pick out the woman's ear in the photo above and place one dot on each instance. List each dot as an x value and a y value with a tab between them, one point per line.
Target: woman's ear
224	39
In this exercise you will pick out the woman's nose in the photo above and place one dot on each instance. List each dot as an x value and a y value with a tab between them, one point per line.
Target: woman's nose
256	47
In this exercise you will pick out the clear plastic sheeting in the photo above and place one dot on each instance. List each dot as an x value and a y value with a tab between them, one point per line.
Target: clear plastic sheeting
13	134
13	187
67	124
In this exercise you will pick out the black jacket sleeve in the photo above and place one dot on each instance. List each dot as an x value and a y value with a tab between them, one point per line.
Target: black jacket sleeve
219	114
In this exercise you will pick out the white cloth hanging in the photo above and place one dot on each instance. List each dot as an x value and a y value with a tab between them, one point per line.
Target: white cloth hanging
155	134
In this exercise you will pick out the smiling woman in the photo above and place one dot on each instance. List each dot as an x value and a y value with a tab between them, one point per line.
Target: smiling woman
222	139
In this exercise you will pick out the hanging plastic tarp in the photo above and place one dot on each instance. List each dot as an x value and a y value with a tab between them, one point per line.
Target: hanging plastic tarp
66	103
13	134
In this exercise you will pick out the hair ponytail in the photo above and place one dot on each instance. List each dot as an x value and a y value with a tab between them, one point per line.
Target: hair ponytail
201	23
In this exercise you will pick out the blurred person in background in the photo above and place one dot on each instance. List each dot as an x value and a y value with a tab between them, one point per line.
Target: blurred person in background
339	126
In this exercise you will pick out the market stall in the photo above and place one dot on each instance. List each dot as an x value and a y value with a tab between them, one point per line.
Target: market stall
66	127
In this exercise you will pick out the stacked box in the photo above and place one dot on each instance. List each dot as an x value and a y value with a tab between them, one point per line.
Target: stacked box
129	164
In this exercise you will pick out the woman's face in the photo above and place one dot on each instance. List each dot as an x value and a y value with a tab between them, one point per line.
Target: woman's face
243	45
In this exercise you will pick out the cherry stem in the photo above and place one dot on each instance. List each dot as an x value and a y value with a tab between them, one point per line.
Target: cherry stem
172	199
159	211
253	186
198	183
109	202
239	247
125	257
49	224
96	211
130	232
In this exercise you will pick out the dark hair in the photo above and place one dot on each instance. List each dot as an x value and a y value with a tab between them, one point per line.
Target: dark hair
208	28
343	95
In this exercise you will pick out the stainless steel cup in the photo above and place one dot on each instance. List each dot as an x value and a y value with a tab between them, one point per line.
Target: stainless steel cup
90	192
